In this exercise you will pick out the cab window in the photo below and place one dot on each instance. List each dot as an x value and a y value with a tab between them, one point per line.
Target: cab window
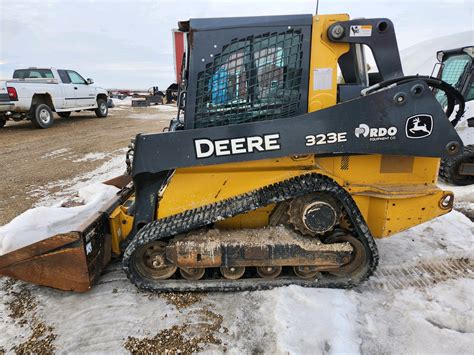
76	78
32	74
452	72
64	77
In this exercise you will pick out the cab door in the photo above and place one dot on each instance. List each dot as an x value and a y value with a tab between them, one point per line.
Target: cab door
83	93
68	89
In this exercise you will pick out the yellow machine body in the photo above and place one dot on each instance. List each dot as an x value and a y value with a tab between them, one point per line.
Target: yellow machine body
393	193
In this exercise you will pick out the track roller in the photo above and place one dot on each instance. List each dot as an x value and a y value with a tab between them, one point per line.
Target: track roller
192	274
268	272
233	272
305	272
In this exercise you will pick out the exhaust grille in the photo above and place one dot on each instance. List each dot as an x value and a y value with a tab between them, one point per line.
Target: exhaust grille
345	162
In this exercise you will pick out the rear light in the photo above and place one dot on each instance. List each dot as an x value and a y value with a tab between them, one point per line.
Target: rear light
12	94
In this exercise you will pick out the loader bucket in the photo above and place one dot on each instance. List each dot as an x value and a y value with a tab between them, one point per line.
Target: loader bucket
70	261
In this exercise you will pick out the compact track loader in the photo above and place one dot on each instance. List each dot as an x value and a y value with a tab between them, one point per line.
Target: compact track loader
278	173
456	67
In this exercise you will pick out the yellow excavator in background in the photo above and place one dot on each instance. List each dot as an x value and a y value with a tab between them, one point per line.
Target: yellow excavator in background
273	173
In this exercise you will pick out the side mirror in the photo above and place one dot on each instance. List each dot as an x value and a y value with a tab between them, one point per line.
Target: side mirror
90	81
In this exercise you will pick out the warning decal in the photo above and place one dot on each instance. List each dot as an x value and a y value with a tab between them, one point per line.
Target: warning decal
361	31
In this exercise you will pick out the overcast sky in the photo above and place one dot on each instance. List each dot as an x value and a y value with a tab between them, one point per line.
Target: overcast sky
128	44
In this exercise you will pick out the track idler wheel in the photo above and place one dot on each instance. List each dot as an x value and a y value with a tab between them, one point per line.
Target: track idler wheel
358	257
314	214
268	272
305	271
233	272
192	274
151	263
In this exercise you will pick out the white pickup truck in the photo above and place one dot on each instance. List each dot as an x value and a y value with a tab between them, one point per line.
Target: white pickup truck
34	93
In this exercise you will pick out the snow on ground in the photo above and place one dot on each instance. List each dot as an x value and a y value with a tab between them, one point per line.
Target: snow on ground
465	132
42	222
91	157
111	168
165	108
49	218
154	114
147	116
56	153
127	101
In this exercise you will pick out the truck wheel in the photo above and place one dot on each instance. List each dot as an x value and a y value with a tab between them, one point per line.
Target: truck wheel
42	116
3	120
102	110
64	114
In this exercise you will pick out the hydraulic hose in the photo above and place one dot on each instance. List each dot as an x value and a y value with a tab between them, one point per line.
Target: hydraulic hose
454	96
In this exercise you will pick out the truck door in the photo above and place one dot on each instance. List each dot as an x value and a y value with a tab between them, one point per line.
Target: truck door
68	90
84	94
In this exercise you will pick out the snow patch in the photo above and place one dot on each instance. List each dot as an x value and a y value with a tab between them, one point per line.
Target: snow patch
42	222
91	157
108	170
127	101
317	319
49	218
465	132
166	108
148	116
461	193
437	320
55	153
445	236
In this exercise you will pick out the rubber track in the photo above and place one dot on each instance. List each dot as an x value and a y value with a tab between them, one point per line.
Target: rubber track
448	166
166	228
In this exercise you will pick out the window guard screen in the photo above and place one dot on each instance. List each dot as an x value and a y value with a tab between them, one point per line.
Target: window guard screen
452	72
253	79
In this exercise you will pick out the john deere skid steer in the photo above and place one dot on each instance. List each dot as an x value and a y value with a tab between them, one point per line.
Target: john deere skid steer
274	172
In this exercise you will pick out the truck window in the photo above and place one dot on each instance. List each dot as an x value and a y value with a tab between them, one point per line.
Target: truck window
64	77
75	77
33	74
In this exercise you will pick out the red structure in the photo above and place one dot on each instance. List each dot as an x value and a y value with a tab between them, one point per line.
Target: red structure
179	48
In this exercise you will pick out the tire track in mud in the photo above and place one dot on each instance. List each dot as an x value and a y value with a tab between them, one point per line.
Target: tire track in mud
421	275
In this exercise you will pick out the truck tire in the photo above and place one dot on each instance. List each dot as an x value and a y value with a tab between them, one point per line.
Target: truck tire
42	116
102	109
450	166
3	120
64	114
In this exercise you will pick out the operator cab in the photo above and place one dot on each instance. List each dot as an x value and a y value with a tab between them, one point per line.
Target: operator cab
456	67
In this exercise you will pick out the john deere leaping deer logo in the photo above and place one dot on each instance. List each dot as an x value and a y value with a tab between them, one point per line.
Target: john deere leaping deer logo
419	126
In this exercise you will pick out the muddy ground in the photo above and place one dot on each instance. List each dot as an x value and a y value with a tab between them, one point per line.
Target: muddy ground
30	158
